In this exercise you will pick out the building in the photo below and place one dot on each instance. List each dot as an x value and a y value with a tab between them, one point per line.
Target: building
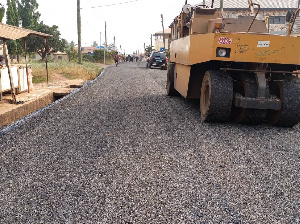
59	56
272	11
88	50
54	56
159	40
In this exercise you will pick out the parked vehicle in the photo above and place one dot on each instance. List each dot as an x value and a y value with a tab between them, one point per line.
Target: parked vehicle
235	67
157	59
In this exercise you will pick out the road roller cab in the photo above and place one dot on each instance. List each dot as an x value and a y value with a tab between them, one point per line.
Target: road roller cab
235	67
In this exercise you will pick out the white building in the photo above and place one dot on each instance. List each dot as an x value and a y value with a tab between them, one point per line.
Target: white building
159	40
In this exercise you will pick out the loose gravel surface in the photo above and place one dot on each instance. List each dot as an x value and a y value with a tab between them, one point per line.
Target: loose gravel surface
121	151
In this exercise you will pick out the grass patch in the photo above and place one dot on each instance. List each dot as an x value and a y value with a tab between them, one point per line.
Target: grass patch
70	70
39	79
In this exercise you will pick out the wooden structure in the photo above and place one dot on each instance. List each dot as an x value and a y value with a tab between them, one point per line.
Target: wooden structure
8	32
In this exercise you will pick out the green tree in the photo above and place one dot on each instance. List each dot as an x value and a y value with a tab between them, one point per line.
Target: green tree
54	43
88	58
12	15
99	55
95	44
12	18
2	12
148	50
110	47
28	13
72	53
24	13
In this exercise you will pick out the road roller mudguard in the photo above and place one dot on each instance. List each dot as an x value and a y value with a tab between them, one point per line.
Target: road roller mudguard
235	67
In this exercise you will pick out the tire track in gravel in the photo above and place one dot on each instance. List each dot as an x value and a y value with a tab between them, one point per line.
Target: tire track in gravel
120	151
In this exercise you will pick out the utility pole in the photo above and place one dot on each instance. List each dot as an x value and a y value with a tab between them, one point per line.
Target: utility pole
162	23
151	42
79	32
100	41
105	41
222	5
114	42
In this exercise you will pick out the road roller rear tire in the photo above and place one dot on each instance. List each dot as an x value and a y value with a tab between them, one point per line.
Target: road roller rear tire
171	91
216	96
288	92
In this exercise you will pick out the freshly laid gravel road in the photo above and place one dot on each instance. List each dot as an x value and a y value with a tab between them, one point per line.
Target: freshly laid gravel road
120	151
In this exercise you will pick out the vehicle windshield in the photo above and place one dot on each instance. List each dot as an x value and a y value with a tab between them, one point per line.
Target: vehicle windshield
159	54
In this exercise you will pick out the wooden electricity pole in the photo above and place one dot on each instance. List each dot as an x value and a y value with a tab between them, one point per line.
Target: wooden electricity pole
79	32
105	40
114	42
151	42
162	23
221	5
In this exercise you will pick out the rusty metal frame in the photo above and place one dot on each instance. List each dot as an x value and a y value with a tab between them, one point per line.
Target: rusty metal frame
290	27
256	103
256	71
254	16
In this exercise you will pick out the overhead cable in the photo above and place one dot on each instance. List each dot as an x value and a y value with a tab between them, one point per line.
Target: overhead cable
120	3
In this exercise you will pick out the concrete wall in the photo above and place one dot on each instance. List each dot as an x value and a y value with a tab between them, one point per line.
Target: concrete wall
25	109
159	41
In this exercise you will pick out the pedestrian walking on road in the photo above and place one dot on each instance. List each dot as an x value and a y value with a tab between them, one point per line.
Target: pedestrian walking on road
116	59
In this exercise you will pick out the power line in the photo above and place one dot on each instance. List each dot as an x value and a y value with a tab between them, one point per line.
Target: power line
120	3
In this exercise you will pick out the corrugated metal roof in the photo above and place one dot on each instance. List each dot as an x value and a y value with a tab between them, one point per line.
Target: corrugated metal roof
264	4
13	32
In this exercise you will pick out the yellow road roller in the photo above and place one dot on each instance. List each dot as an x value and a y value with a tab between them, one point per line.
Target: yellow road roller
235	67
